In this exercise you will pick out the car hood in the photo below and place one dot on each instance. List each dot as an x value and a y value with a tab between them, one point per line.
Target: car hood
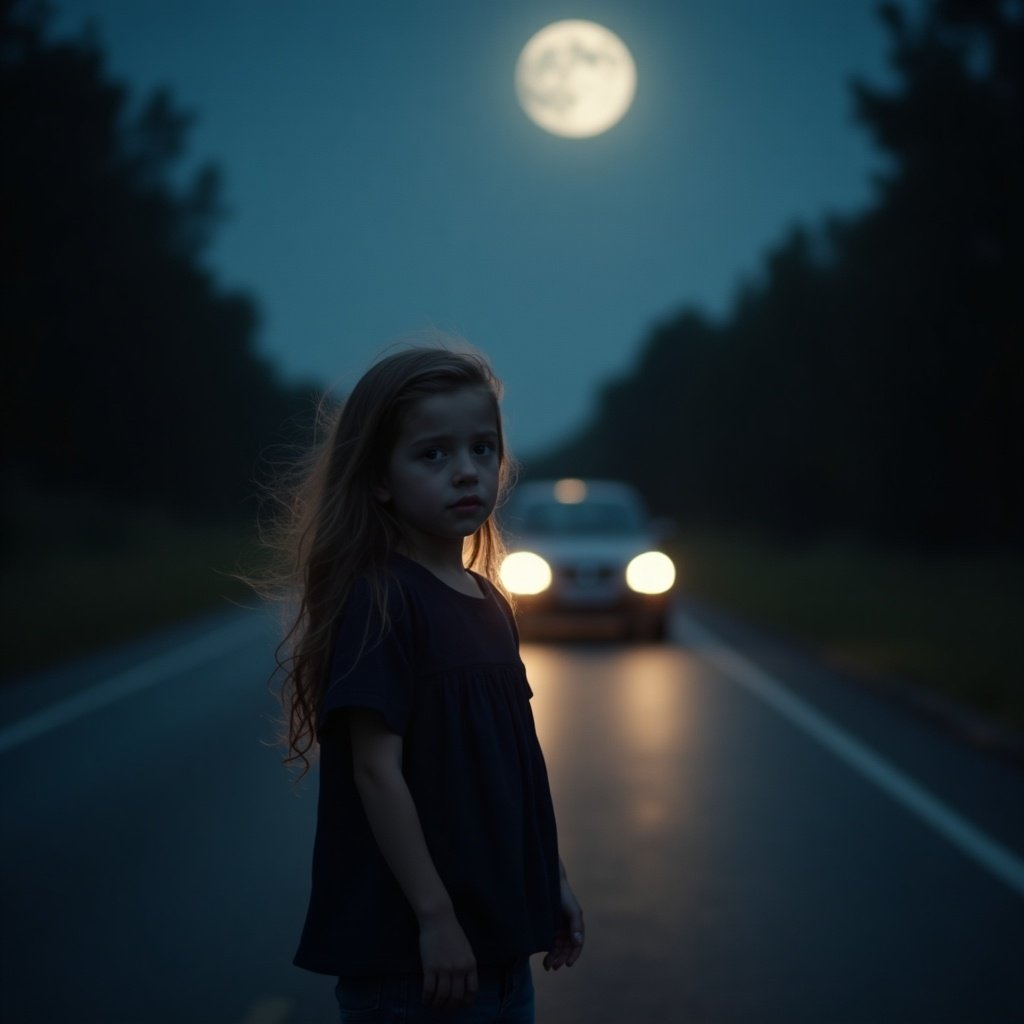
591	548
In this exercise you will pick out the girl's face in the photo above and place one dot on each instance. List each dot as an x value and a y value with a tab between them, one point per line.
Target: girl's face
442	474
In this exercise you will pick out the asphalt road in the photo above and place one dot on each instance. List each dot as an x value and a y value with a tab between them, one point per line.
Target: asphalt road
753	838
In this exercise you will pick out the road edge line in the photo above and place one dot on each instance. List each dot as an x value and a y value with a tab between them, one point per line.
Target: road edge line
125	683
987	852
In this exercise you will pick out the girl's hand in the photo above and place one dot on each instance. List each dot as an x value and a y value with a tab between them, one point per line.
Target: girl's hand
570	937
449	967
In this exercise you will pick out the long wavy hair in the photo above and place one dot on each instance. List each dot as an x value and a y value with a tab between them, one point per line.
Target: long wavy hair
335	531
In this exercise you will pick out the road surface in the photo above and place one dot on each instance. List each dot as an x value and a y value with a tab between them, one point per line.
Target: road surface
753	839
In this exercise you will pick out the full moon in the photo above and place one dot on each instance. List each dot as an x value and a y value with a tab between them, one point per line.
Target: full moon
575	78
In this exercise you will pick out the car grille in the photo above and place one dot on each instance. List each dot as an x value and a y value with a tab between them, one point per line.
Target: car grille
589	575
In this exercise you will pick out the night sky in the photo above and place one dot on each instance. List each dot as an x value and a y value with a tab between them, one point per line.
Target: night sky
382	178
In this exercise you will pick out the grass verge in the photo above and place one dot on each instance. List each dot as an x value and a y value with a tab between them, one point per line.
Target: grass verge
62	600
951	624
948	624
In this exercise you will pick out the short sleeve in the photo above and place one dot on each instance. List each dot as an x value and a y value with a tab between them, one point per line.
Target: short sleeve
372	661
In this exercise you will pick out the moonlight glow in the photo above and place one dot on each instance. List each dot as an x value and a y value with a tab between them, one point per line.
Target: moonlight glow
575	78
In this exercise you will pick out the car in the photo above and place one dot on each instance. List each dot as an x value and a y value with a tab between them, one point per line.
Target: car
586	553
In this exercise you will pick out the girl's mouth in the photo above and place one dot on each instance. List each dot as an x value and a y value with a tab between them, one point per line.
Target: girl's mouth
468	503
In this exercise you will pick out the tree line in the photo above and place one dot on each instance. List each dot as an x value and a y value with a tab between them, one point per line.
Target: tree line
131	372
869	383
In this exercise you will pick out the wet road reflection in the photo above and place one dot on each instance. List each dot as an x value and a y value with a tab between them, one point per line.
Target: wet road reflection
732	869
615	722
617	727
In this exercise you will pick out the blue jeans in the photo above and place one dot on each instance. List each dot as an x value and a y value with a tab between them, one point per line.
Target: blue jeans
505	996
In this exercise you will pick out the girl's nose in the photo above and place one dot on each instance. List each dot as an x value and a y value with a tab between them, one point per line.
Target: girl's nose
465	469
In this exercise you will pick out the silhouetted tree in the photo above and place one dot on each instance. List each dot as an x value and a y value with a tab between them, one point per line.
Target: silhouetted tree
130	372
870	381
941	259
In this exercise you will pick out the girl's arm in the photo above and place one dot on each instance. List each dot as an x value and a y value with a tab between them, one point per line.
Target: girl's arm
449	967
570	937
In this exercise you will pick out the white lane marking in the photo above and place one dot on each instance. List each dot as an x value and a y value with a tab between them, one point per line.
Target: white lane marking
123	684
991	855
275	1010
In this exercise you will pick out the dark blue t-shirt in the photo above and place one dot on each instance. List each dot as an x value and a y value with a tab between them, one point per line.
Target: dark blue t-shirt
448	678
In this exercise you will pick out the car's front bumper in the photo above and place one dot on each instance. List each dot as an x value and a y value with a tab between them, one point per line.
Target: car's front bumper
605	612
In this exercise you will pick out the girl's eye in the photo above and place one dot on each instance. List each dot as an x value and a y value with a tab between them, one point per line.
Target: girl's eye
432	454
484	448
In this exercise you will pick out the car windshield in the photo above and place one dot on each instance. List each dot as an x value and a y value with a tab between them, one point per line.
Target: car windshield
582	518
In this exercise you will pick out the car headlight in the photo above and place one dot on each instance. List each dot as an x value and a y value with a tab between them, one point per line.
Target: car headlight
651	573
523	572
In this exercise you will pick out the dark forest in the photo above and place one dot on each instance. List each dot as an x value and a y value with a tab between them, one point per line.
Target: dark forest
132	374
868	384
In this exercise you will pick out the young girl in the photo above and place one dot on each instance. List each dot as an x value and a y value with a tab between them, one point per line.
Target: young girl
435	866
